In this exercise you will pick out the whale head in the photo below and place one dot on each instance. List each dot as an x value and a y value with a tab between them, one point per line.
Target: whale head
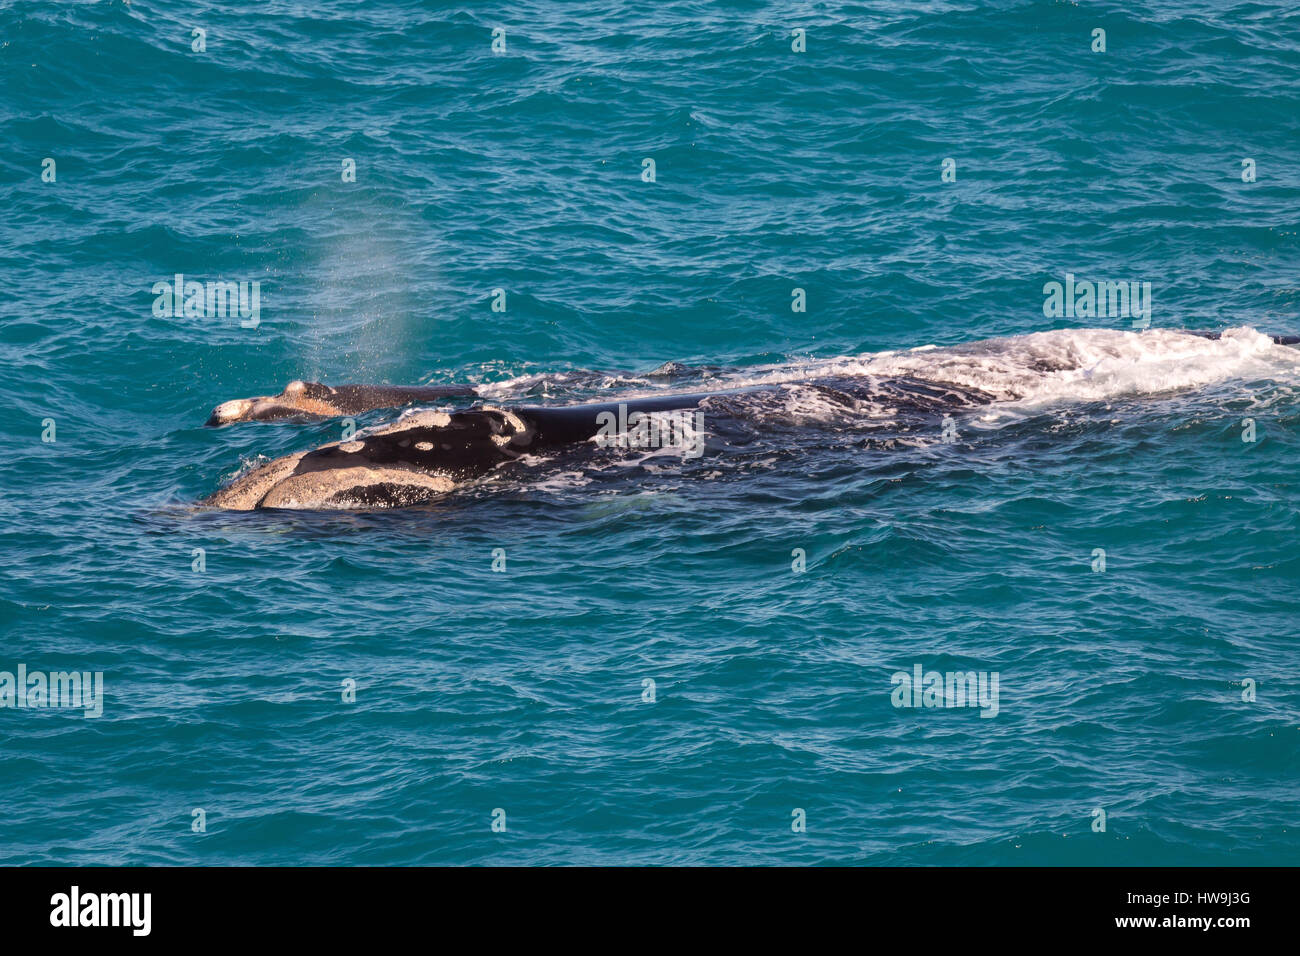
415	460
227	413
304	400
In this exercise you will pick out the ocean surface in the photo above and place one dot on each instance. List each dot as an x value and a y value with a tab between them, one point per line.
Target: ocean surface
675	660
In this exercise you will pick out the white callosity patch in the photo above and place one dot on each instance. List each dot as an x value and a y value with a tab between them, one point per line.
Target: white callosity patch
416	418
412	418
345	488
232	411
245	492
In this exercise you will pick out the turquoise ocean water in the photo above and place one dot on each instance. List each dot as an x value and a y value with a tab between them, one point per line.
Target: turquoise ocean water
1161	690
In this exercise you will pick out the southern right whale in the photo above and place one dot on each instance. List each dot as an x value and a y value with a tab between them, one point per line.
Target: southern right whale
429	452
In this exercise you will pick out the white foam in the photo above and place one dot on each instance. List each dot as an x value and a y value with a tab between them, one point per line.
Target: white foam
1017	372
1073	365
1099	364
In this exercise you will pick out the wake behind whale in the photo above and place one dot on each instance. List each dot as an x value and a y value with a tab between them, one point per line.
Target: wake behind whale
427	453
